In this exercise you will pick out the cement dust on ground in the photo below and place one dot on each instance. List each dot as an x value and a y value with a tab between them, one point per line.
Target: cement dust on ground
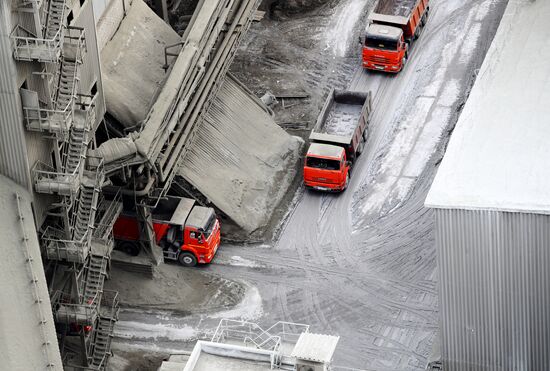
365	273
175	288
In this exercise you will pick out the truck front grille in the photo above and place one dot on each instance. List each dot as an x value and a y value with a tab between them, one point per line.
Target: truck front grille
378	59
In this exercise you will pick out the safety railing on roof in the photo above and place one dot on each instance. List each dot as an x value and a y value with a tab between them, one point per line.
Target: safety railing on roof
288	331
249	333
28	47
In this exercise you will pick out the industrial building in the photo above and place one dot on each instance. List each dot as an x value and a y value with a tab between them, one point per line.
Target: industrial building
51	106
105	109
242	345
56	111
492	207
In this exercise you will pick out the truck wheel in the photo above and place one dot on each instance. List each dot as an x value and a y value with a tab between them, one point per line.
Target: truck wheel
347	182
129	248
360	147
187	259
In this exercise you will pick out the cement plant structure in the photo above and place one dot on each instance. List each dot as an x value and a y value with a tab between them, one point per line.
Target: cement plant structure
492	207
58	201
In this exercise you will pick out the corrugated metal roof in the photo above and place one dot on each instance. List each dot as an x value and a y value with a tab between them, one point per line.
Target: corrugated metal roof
315	347
497	158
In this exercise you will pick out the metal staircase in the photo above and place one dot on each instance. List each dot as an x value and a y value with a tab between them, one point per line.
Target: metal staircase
57	118
77	234
78	141
87	204
104	331
68	78
54	18
97	270
102	342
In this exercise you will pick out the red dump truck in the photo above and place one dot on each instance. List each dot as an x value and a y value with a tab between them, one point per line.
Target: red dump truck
185	231
393	25
337	139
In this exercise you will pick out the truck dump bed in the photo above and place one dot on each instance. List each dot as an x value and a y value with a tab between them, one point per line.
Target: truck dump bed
341	117
401	8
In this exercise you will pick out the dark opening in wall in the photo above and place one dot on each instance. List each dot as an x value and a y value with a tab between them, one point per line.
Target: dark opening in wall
93	91
82	3
70	17
54	162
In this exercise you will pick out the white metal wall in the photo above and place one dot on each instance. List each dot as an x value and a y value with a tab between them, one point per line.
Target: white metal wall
494	272
90	69
13	156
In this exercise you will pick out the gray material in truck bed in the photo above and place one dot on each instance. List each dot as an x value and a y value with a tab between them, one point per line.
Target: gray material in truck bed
402	8
342	119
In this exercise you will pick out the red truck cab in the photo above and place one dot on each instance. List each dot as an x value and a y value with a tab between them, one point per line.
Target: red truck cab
326	168
385	49
393	26
186	232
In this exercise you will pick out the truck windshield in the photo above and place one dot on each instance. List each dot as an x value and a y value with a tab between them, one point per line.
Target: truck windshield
322	163
209	227
380	43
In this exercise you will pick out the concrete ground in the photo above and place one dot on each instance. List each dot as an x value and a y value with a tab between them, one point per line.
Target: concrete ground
360	264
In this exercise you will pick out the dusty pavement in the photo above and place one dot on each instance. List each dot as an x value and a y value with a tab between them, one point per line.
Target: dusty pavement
361	264
185	291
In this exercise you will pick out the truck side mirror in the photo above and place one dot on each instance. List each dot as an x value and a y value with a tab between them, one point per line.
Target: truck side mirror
348	163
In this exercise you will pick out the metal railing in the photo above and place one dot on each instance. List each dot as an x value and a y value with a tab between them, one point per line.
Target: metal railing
28	47
86	103
55	121
288	331
83	313
58	120
58	247
46	179
23	3
247	332
112	301
108	213
252	334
